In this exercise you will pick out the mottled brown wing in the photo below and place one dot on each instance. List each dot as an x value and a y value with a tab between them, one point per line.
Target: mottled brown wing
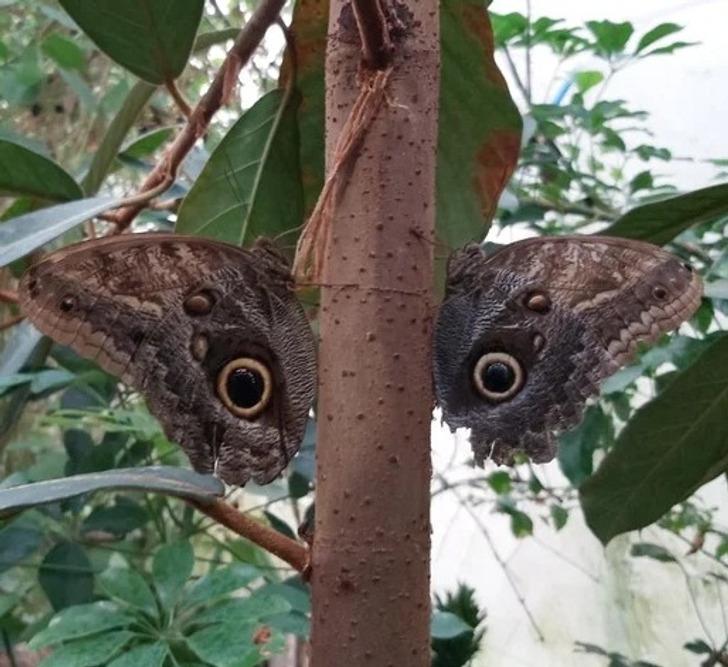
569	311
168	314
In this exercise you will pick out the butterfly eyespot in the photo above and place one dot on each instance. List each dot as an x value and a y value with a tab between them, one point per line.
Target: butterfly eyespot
199	303
659	292
538	302
538	342
498	376
245	387
68	303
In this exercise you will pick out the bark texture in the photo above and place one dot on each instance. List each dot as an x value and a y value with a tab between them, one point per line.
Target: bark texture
372	536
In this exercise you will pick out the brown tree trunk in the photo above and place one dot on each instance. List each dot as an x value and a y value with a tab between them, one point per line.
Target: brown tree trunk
371	603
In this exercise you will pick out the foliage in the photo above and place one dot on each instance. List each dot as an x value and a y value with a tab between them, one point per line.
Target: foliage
93	575
459	650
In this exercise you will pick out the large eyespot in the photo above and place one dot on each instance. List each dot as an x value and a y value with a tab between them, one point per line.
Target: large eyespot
245	386
498	376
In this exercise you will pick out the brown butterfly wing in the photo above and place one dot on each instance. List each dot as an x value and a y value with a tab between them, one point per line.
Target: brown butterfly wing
126	303
571	310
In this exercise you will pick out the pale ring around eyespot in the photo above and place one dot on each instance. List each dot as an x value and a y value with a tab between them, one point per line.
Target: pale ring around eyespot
508	360
255	366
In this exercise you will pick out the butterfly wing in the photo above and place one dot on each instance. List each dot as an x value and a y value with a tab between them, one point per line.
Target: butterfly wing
200	329
555	316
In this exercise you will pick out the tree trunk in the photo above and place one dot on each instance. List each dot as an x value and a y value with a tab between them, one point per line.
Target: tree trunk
371	602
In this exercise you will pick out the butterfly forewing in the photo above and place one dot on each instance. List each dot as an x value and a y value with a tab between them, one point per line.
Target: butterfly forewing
563	313
168	314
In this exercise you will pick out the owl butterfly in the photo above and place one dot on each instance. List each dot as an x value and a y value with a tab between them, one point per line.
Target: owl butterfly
211	334
526	335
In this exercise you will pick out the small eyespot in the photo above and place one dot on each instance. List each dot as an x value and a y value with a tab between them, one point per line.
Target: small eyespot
199	303
245	387
688	267
538	302
498	376
199	347
659	292
538	342
68	303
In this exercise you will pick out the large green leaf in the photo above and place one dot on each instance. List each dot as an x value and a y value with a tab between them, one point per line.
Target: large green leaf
660	222
25	172
250	186
672	446
151	38
146	655
161	479
479	129
23	234
80	621
89	651
66	575
172	566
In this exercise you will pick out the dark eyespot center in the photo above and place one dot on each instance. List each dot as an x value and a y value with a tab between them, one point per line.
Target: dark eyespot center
68	303
245	387
688	267
659	293
498	377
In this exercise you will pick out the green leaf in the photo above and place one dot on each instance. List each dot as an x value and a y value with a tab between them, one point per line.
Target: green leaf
500	482
171	568
249	609
611	38
20	236
147	143
88	652
66	575
654	551
697	646
446	625
479	128
129	587
559	516
65	52
80	621
659	32
507	26
145	655
118	520
220	583
521	524
673	445
17	542
161	479
577	446
251	185
662	221
716	289
151	38
18	348
224	645
588	79
25	172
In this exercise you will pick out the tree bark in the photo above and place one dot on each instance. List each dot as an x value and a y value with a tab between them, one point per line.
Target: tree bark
371	552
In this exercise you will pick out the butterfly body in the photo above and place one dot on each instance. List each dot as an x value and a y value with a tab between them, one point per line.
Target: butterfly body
543	322
202	329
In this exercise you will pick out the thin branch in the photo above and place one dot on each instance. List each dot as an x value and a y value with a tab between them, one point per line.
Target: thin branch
179	99
8	296
293	553
372	23
245	43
